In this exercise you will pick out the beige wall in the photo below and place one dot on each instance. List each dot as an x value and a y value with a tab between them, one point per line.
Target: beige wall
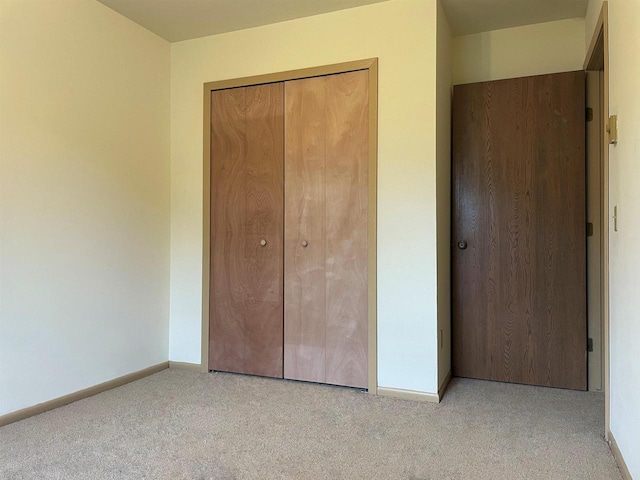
443	192
402	34
624	179
84	198
519	52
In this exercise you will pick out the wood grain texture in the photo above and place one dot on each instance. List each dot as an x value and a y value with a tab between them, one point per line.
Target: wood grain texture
326	185
519	289
246	308
371	66
305	309
347	150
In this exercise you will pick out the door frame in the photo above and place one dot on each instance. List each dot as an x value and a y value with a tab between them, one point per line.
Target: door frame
371	65
597	59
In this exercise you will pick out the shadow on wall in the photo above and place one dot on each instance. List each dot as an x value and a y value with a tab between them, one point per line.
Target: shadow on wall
477	61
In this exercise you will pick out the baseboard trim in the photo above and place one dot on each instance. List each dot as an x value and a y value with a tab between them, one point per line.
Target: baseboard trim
444	386
622	466
192	367
80	394
408	394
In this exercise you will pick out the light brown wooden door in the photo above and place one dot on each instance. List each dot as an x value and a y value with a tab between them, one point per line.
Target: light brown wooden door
326	155
246	311
519	231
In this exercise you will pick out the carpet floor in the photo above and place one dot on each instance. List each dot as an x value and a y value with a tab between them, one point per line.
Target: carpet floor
185	425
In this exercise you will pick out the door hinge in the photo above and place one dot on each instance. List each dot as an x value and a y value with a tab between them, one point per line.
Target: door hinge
612	129
590	345
589	114
589	229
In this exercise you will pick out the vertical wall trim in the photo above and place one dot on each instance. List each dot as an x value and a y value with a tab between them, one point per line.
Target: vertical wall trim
622	465
598	59
206	227
372	225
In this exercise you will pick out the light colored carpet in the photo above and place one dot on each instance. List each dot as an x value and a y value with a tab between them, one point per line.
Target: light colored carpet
185	425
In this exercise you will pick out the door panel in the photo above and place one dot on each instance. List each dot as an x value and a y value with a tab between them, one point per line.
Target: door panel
519	286
246	311
347	153
326	155
305	309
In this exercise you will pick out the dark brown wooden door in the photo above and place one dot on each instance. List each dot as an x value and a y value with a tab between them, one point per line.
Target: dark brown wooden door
519	244
326	207
246	312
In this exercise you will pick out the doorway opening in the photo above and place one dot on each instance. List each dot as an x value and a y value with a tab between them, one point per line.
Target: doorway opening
596	339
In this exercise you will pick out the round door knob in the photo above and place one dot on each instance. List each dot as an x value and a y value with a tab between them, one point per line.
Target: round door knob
462	244
305	243
263	242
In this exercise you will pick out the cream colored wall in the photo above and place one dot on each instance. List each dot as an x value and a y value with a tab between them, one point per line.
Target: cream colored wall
519	52
624	256
402	34
443	193
84	198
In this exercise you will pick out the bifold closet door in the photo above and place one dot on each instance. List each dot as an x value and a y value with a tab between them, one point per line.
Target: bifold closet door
326	159
246	298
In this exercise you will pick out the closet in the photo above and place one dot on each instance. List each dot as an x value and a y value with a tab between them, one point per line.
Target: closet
289	215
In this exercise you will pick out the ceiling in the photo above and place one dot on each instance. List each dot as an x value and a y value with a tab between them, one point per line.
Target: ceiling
176	20
474	16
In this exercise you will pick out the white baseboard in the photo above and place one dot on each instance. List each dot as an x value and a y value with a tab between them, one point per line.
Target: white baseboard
408	394
79	395
622	466
192	367
415	395
444	386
